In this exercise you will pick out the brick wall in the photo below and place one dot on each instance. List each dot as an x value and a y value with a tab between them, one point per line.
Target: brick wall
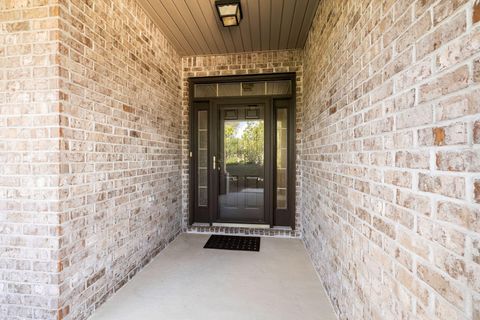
29	159
90	136
264	62
121	142
391	157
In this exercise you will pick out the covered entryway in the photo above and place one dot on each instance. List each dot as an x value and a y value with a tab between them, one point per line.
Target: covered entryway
345	130
242	154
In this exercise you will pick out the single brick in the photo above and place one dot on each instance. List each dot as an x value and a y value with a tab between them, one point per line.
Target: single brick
398	178
476	250
413	201
460	215
449	186
384	227
400	215
412	160
458	106
415	117
476	190
455	134
17	26
462	161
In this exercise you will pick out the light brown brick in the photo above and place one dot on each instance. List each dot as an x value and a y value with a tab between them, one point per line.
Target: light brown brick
17	26
403	101
414	244
414	74
455	266
447	236
446	311
422	6
462	161
412	160
445	9
476	250
458	106
445	84
400	215
449	186
458	50
398	178
384	227
399	140
412	201
460	215
35	13
476	190
444	286
455	134
415	117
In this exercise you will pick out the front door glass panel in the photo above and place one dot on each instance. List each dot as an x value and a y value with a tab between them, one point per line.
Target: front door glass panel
242	164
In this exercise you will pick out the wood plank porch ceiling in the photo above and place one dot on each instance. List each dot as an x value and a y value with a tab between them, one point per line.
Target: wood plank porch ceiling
193	26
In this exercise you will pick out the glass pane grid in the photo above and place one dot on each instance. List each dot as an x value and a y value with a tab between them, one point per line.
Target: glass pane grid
205	90
243	89
202	151
279	87
229	89
282	152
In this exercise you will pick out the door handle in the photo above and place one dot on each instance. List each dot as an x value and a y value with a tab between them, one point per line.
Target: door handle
214	163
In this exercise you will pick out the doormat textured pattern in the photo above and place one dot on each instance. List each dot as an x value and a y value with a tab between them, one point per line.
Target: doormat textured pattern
233	243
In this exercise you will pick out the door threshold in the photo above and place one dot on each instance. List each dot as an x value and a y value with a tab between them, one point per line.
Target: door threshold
201	224
242	225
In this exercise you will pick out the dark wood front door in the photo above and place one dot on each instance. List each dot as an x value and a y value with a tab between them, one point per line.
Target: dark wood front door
243	163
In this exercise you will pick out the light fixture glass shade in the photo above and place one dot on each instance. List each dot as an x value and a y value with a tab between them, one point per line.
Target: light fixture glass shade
229	11
229	21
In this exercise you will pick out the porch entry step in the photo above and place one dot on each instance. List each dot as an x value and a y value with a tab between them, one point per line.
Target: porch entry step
233	243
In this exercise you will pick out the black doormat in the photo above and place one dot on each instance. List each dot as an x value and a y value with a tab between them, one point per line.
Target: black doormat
233	243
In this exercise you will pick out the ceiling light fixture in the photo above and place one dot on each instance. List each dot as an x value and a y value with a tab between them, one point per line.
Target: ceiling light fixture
229	11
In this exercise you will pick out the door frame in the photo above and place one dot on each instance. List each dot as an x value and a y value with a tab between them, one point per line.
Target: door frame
269	100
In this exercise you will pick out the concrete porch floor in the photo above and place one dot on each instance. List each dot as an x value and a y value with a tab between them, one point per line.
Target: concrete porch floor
186	281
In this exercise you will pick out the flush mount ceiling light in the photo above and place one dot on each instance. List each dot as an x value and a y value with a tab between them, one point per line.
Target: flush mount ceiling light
229	11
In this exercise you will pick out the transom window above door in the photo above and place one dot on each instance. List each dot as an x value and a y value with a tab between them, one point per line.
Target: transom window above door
243	89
